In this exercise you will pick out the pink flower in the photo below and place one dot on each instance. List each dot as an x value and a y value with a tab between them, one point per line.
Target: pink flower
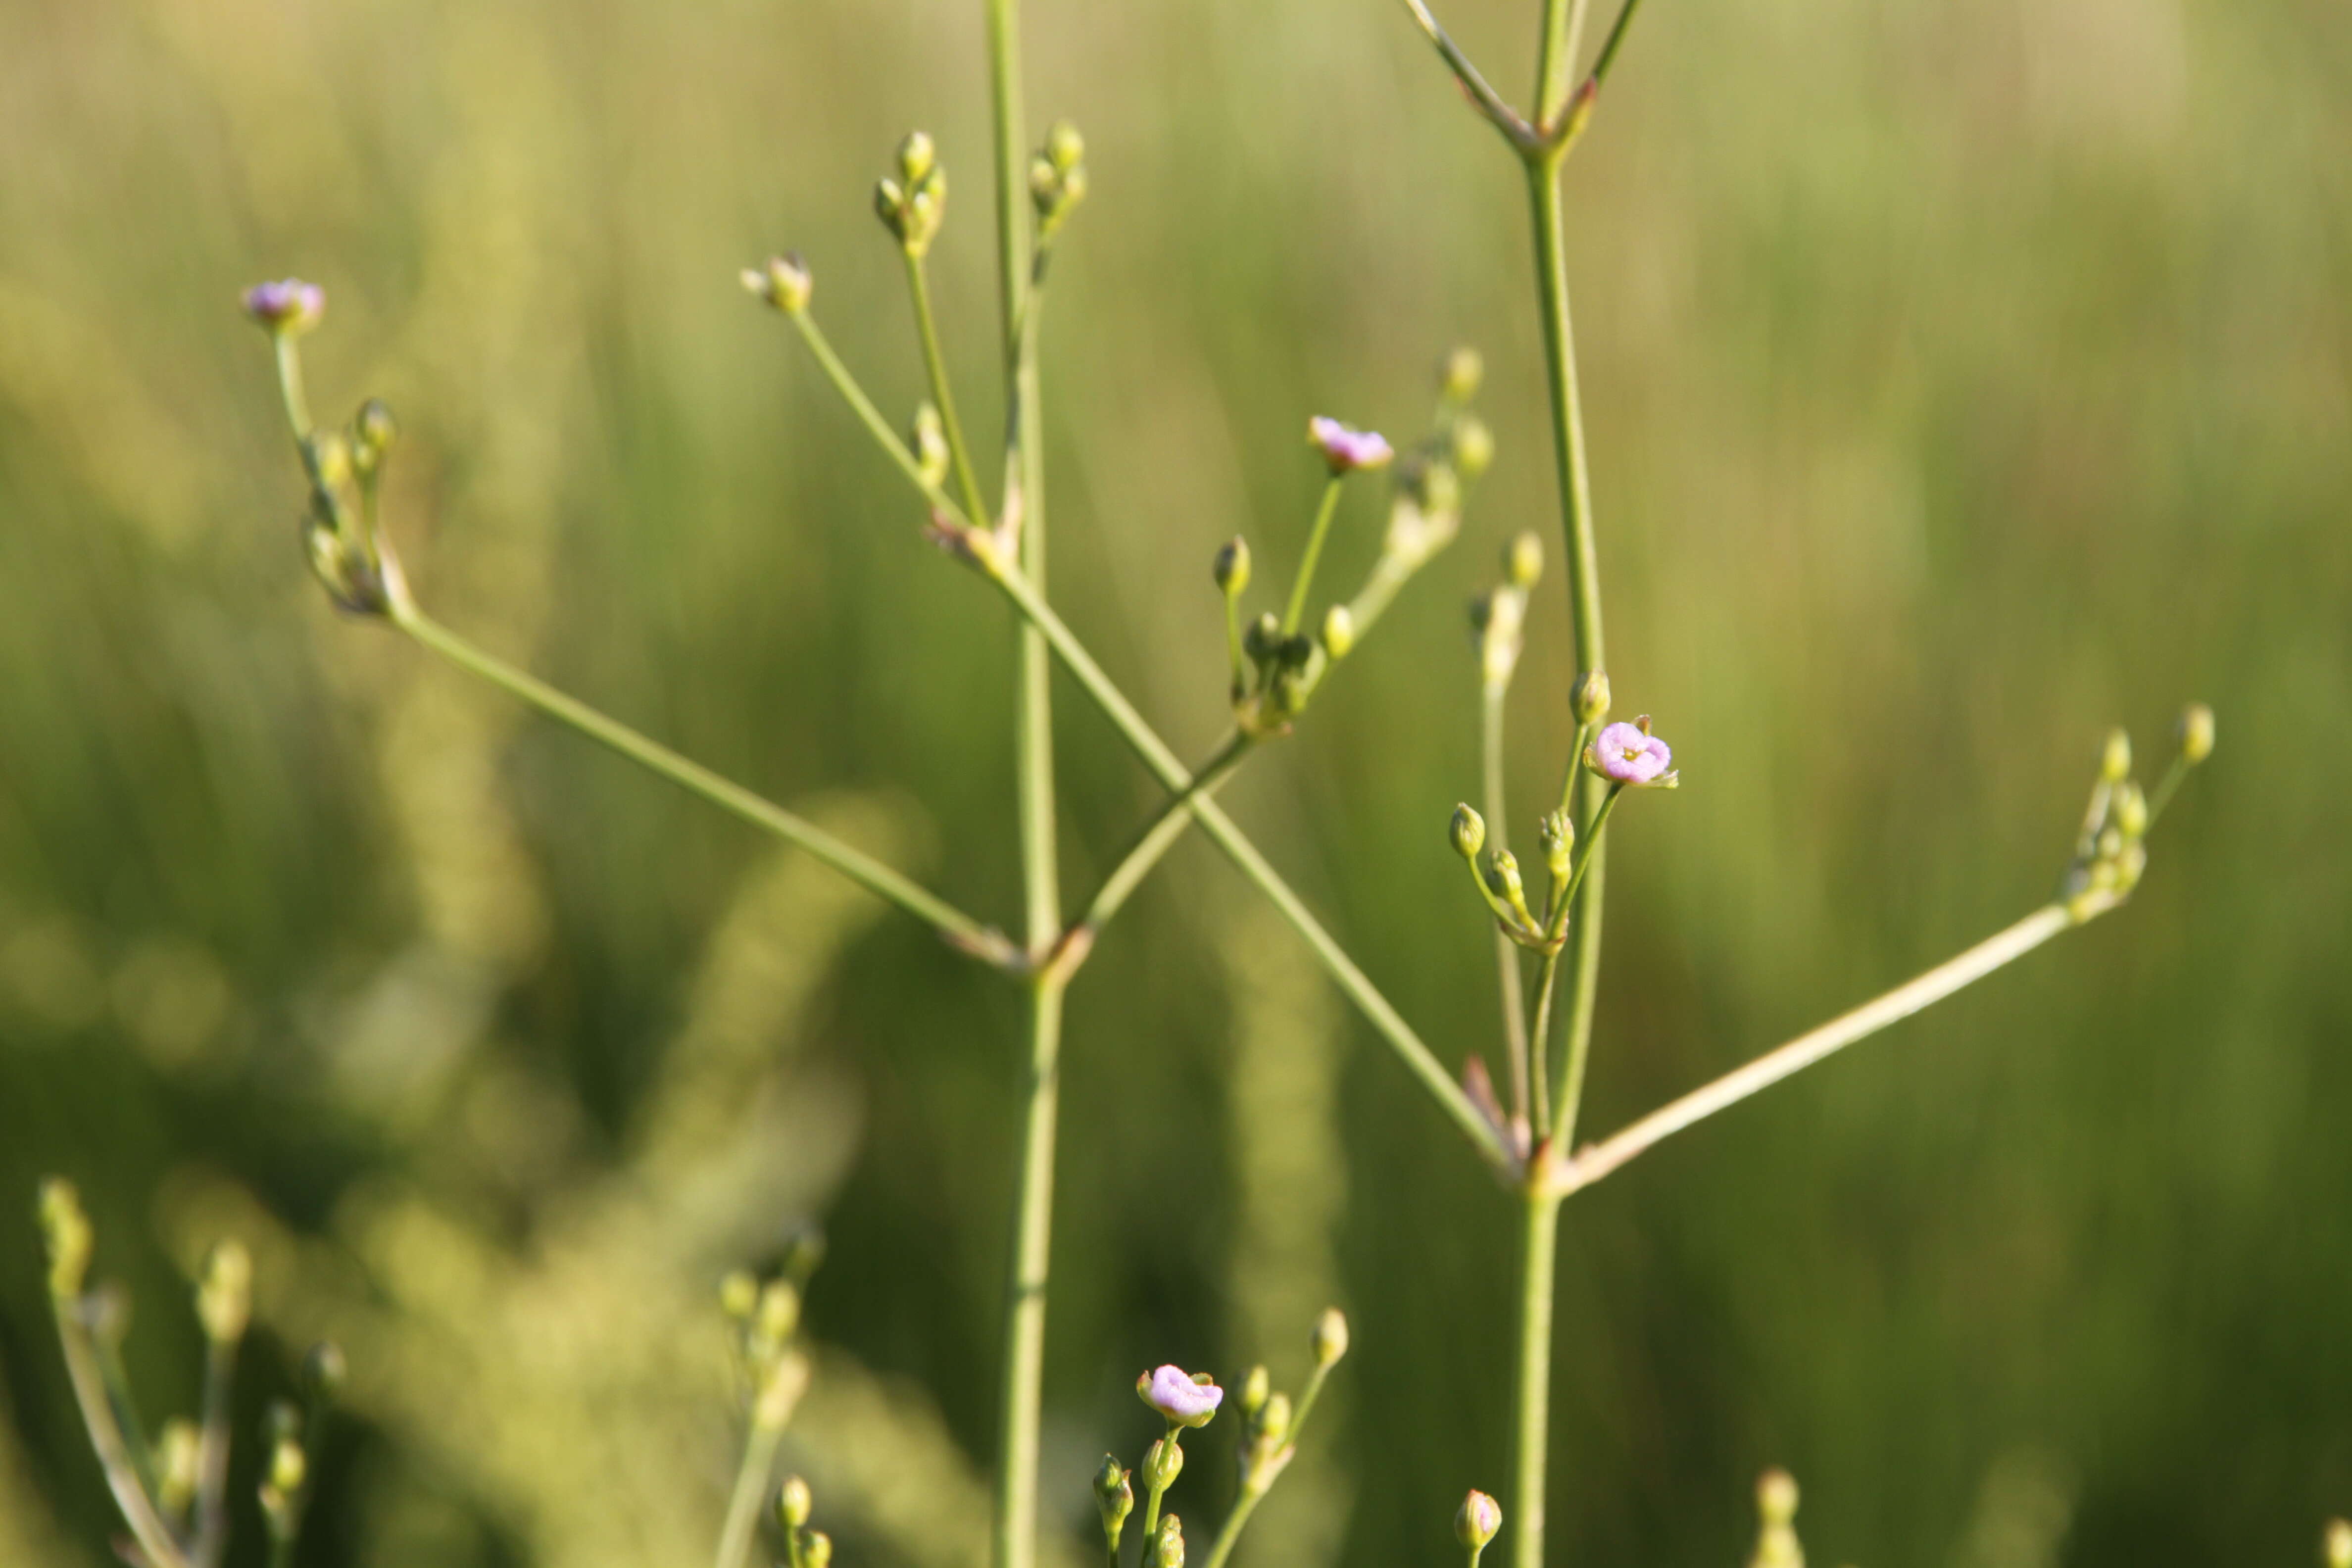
1346	449
1629	755
289	305
1184	1399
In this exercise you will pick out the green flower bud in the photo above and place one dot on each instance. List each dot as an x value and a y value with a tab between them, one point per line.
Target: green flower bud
2115	762
1162	1463
1274	1421
1437	487
1167	1552
1776	1496
224	1297
793	1504
1590	696
1523	559
817	1549
1557	838
1232	570
1255	1389
2339	1543
287	1465
1776	1540
178	1453
927	439
1467	831
1477	1521
1114	1497
1473	447
1329	1340
1065	147
1503	879
785	282
2196	728
1263	640
917	158
65	1229
739	1295
1338	631
1458	377
2131	809
373	431
778	1313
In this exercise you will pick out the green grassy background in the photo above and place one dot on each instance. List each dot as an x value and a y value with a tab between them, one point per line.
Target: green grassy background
1963	378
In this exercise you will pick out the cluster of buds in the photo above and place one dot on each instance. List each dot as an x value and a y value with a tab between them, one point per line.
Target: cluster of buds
803	1547
912	204
1776	1535
1498	616
1057	178
339	534
765	1320
1274	673
293	1442
784	282
1432	476
2111	854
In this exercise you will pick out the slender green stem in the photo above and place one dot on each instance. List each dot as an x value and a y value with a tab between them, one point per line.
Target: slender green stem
1147	745
1151	1511
145	1520
1314	1381
1609	46
117	1380
2161	796
935	366
1507	952
1597	1160
871	417
1531	1374
1027	1276
211	1538
1482	96
1236	1519
290	385
1300	585
1157	838
960	929
750	1490
1563	22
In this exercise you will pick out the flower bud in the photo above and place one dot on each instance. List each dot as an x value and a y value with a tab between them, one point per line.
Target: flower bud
785	282
1557	838
1255	1389
1436	488
2339	1543
928	440
287	307
1590	696
1114	1496
287	1465
793	1504
739	1295
1458	377
67	1231
1467	831
1523	559
2196	731
1063	146
917	157
373	431
1345	450
224	1297
1274	1423
1167	1552
1162	1463
778	1313
1477	1521
178	1455
1338	631
817	1549
1473	447
1329	1340
1503	880
2115	762
1263	640
2131	810
1232	569
1776	1496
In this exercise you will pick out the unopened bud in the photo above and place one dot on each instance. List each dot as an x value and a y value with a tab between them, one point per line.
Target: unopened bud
1477	1521
2196	730
225	1298
1502	877
67	1231
1167	1550
793	1504
1114	1496
2339	1543
178	1452
917	157
1162	1463
1458	378
2115	762
1557	838
373	431
1232	569
784	282
1437	488
287	1465
1273	1422
1065	147
778	1313
1255	1389
289	305
1473	447
1338	631
1523	559
1776	1496
1263	640
1329	1340
1590	696
1467	831
927	439
817	1549
2131	810
739	1295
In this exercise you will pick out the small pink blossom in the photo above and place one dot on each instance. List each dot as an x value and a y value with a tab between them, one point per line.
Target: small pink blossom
1183	1399
1345	450
1630	754
289	305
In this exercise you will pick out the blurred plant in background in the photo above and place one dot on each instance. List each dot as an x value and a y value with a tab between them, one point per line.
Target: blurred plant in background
160	988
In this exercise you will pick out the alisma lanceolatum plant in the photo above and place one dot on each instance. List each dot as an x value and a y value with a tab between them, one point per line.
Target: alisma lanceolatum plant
1547	935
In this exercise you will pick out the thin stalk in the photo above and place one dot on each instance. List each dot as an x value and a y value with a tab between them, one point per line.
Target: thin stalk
1157	838
1608	47
960	929
1230	1531
871	417
1154	753
1597	1160
1563	22
290	385
211	1453
1507	952
1531	1374
750	1490
1026	1277
1488	102
1299	586
117	1380
138	1505
1577	1048
935	366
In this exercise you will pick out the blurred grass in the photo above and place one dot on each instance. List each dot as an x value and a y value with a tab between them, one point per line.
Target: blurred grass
1963	378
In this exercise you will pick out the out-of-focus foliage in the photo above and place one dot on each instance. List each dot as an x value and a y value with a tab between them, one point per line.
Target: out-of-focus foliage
1963	377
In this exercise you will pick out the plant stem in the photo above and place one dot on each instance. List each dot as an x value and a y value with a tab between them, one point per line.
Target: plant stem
1507	952
1154	842
211	1453
138	1506
960	929
1531	1373
804	322
1306	578
1597	1160
750	1490
1147	744
1230	1530
1027	1276
935	366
